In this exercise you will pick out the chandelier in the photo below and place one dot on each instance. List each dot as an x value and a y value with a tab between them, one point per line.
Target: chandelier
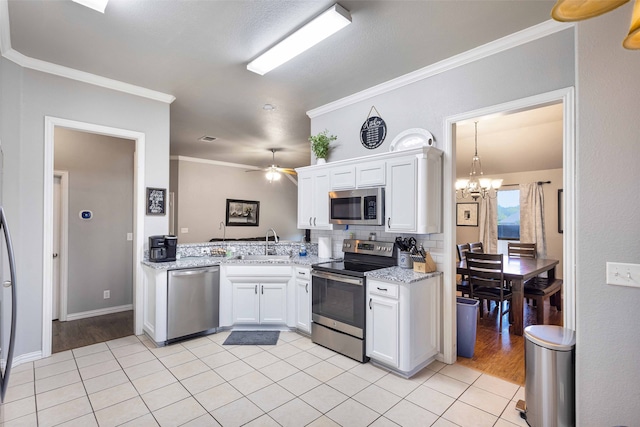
477	185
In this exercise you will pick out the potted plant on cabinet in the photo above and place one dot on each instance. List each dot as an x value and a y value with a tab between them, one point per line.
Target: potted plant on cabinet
320	145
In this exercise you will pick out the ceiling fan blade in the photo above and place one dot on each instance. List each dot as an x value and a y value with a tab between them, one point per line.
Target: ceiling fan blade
288	171
256	170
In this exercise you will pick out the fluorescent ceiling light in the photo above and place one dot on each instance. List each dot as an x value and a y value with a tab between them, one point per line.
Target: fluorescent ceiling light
321	27
98	5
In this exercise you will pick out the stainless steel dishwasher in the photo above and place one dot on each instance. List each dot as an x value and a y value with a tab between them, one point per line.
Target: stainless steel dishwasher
193	301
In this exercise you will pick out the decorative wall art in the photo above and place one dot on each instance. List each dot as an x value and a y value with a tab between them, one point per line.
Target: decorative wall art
243	213
467	214
373	130
156	201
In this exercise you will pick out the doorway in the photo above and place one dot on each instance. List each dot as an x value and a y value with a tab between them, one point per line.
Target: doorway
566	97
138	218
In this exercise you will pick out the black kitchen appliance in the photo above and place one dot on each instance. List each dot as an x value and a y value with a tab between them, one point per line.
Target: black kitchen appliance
162	248
339	296
363	206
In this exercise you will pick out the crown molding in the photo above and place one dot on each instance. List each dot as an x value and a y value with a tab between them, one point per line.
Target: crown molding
508	42
58	70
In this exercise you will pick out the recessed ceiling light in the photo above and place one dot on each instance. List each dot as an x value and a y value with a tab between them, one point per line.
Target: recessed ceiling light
206	138
98	5
312	33
268	107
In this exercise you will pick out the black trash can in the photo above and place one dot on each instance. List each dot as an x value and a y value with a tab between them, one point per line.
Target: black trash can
549	391
467	324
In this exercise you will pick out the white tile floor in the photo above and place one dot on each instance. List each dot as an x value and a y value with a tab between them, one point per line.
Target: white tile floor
202	383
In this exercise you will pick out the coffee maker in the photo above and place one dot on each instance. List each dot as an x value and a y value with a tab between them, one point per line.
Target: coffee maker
162	248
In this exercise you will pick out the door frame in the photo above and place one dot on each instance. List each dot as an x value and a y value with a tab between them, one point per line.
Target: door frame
567	97
50	123
64	244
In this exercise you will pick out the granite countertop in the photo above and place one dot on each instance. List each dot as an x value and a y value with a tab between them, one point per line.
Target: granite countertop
207	261
399	274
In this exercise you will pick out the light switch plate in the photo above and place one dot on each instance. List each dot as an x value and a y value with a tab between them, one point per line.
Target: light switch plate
129	237
184	230
622	274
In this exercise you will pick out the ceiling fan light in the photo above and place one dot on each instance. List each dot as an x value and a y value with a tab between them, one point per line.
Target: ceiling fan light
632	41
327	23
272	175
98	5
577	10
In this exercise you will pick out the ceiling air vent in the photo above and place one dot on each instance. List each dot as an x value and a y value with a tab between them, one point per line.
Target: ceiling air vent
207	138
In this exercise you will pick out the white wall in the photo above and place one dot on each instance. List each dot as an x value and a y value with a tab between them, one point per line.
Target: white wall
204	187
608	221
101	180
29	96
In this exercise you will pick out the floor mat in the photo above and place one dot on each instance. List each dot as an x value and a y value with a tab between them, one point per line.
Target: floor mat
252	338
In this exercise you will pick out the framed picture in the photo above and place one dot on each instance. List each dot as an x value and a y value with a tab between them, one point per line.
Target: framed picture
156	201
243	213
467	214
560	211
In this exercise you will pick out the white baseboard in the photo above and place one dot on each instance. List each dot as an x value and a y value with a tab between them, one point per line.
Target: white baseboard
25	358
100	312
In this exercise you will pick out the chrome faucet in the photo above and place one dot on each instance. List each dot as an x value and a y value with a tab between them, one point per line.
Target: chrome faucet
224	233
266	239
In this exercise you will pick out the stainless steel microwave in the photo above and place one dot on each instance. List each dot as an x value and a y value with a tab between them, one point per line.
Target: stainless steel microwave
363	206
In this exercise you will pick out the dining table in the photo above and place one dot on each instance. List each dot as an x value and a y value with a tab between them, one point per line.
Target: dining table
517	271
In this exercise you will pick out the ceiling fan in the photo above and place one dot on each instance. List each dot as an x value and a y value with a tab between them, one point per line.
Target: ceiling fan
274	172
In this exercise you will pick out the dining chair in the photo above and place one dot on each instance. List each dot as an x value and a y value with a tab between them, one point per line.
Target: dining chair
462	285
521	250
476	247
485	273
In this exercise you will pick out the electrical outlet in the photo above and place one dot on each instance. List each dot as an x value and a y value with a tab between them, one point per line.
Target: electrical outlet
107	294
623	274
129	237
184	230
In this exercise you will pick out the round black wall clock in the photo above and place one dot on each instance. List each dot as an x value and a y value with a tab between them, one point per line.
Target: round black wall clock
373	132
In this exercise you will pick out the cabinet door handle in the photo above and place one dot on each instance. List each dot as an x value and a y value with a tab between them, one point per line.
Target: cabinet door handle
383	289
306	288
369	303
262	289
310	220
256	290
314	221
389	222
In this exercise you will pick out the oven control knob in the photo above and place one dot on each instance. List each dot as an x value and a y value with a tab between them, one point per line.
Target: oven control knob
377	248
347	245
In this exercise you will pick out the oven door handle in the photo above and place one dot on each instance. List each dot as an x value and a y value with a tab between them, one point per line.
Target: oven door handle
338	278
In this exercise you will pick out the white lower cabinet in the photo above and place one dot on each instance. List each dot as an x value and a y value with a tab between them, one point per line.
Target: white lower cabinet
259	303
256	295
303	299
403	323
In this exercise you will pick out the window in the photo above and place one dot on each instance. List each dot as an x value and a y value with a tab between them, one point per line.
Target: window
509	215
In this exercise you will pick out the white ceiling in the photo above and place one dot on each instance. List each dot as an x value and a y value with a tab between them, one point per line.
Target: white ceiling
198	50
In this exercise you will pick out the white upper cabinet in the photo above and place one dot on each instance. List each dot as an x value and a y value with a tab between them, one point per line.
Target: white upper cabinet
313	199
370	174
343	178
413	189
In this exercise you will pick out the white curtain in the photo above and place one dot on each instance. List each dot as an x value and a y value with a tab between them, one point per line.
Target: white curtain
489	225
532	217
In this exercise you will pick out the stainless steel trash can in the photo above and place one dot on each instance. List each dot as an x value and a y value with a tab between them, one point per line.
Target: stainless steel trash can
549	376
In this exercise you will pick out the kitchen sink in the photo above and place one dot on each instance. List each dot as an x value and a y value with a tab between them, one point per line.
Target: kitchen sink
264	257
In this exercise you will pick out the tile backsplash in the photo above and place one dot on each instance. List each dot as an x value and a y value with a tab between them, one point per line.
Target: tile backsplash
431	242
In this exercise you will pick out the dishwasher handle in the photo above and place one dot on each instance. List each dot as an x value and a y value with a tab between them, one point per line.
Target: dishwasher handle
194	272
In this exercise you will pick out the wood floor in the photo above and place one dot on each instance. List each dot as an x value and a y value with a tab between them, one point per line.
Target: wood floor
502	355
92	330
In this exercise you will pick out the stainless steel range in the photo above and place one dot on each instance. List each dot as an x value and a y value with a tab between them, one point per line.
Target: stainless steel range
339	296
